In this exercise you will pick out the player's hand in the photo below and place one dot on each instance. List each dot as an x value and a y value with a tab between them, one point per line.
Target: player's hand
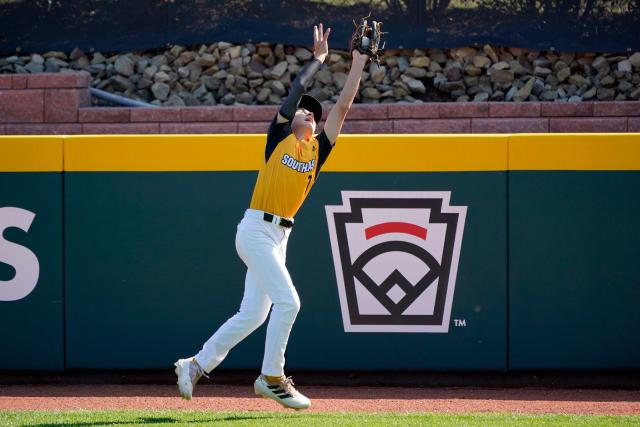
320	42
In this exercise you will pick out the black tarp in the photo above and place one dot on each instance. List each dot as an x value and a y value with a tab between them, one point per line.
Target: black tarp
118	25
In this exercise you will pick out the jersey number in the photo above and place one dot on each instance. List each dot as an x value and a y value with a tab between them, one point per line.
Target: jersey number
308	184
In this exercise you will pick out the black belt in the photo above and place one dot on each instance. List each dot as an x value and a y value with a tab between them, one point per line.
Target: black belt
283	222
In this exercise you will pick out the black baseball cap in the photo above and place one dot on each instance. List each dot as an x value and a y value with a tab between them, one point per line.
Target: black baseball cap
310	103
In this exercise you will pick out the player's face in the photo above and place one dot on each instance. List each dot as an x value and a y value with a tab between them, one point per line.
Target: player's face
304	119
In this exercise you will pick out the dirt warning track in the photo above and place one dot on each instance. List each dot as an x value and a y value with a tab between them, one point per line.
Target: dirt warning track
324	399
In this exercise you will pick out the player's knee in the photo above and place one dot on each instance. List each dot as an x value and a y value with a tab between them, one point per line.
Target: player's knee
289	306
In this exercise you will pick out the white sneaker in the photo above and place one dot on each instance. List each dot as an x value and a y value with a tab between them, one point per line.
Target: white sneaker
188	372
282	392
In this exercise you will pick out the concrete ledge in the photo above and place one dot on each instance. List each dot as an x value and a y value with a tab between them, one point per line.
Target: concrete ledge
28	102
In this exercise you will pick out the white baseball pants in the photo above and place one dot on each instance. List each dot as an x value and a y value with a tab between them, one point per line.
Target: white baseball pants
262	246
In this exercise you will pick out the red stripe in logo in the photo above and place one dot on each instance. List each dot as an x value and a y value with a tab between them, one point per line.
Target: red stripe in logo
395	227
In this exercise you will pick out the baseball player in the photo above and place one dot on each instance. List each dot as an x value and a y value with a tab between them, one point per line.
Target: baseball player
293	156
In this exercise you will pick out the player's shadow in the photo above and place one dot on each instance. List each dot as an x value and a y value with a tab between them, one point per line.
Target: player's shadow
165	420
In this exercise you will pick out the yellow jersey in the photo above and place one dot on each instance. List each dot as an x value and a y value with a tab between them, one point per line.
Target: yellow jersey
290	169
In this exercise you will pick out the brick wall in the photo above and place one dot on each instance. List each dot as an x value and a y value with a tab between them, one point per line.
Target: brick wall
60	104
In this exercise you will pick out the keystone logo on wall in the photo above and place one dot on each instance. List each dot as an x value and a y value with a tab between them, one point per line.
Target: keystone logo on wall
396	257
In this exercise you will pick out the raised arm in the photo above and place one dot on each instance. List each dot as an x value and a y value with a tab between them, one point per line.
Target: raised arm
334	122
305	75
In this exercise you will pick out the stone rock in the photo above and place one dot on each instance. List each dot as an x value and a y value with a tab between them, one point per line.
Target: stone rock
470	81
606	94
608	81
549	95
420	61
302	54
234	51
497	95
236	63
56	54
481	97
160	90
161	77
502	76
472	70
183	72
502	65
291	59
563	74
37	59
76	54
624	86
453	87
578	80
264	50
278	87
159	60
52	67
490	53
321	94
524	92
228	99
633	59
635	94
453	73
462	98
189	99
371	92
121	83
339	79
279	69
589	94
601	64
175	101
438	56
379	73
463	52
625	66
177	50
275	99
263	95
255	82
207	60
200	91
222	74
324	76
559	65
511	93
403	63
541	71
256	66
480	61
34	67
244	98
124	65
541	62
413	84
195	71
519	69
538	87
187	57
415	72
574	98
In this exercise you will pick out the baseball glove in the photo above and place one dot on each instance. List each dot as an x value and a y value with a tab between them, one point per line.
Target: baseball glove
366	39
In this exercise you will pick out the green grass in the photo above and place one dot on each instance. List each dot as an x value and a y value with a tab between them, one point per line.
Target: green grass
203	418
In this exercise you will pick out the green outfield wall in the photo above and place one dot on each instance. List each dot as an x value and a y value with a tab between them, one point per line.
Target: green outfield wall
438	252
